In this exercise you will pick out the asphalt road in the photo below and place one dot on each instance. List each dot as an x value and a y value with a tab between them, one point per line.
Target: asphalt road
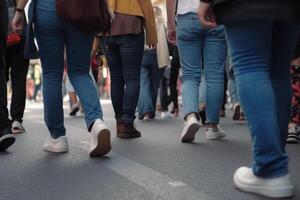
155	167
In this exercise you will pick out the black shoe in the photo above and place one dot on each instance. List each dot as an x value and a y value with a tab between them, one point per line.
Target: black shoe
202	115
293	136
6	139
74	110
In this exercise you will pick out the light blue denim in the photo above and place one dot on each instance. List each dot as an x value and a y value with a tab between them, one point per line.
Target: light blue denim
195	44
202	88
53	35
261	51
232	87
150	79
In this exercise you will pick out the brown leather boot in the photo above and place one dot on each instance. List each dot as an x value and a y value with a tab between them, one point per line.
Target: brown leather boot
127	130
118	124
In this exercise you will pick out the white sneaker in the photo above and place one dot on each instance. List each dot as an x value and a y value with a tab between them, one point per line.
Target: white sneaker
190	129
59	145
17	127
100	139
215	134
165	115
280	187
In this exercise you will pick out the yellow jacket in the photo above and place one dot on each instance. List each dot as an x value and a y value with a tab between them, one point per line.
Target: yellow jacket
142	8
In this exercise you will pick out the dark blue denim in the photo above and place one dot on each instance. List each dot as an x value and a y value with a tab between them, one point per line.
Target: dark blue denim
124	55
261	52
150	79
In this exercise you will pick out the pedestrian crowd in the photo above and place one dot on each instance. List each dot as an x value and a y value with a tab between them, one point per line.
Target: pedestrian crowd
249	47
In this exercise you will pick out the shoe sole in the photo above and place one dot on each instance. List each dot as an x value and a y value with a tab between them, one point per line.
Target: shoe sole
237	113
209	137
17	131
103	146
274	193
189	136
292	141
6	141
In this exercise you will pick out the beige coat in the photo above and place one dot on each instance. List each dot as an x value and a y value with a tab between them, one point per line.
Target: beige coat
163	56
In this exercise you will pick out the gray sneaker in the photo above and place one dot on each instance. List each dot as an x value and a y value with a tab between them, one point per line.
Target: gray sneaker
215	134
17	127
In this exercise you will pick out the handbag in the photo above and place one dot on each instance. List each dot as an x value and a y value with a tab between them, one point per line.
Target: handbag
13	39
90	17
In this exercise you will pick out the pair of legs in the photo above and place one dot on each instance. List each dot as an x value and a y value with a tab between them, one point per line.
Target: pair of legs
53	35
124	54
293	128
4	121
16	69
6	138
150	79
173	97
261	52
195	44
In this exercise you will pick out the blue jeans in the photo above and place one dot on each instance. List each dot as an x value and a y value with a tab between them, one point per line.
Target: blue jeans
232	88
124	55
53	35
261	52
150	79
195	44
202	88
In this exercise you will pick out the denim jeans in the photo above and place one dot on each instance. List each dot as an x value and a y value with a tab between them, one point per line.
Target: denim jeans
202	88
150	79
195	44
261	52
232	87
124	55
53	35
4	121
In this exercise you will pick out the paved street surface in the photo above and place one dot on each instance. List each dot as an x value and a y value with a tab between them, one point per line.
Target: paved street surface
154	167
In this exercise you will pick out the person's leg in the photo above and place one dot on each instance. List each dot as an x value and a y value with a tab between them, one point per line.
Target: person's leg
155	77
112	53
6	138
173	98
215	52
190	50
252	63
131	49
223	109
232	88
164	94
285	36
190	44
51	41
78	48
19	69
145	105
293	130
4	121
202	89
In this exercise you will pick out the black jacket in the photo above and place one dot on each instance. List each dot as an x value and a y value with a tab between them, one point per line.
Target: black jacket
237	10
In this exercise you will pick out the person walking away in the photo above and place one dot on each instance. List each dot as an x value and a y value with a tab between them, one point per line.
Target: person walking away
261	66
53	34
196	43
153	66
16	68
123	50
6	136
